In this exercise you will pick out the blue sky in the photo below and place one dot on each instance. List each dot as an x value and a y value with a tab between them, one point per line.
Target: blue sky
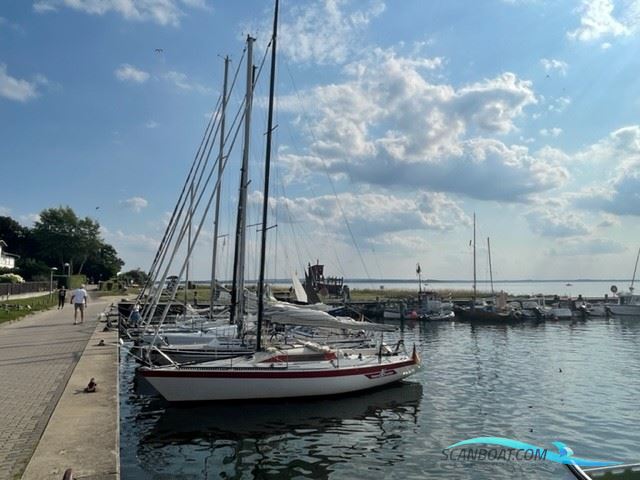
397	120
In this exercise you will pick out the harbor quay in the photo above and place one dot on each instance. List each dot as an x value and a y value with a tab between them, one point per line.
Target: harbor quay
49	424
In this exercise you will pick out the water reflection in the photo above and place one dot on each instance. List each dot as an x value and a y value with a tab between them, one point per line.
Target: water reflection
278	439
573	381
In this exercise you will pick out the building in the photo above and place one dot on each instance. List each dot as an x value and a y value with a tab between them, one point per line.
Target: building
7	260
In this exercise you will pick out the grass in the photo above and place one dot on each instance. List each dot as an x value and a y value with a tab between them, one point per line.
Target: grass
30	305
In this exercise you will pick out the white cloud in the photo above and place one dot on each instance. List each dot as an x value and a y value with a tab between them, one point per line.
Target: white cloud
559	105
551	64
597	20
18	89
389	126
325	32
586	246
605	46
181	81
609	221
127	241
551	132
4	211
29	219
152	124
620	154
370	215
556	221
44	6
163	12
129	73
135	204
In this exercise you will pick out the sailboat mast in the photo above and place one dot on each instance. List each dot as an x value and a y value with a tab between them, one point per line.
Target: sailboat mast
490	270
474	259
217	207
186	277
633	280
267	168
237	291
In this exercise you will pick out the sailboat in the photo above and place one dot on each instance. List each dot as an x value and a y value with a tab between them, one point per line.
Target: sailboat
306	371
482	313
628	302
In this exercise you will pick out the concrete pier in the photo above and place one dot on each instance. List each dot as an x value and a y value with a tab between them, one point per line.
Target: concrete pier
49	424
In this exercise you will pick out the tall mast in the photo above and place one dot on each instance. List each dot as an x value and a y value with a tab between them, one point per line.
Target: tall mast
267	168
217	207
490	270
186	277
237	291
474	259
633	280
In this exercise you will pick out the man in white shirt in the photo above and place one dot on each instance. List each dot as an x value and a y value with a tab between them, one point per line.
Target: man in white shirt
79	300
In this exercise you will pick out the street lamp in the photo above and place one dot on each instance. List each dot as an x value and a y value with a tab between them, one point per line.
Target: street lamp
67	267
53	269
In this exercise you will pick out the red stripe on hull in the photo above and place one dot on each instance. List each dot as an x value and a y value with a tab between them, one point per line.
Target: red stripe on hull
275	373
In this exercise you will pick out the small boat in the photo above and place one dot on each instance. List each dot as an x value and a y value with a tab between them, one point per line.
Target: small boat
617	472
628	302
628	305
484	315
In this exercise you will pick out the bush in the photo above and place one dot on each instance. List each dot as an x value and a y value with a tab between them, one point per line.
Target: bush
11	278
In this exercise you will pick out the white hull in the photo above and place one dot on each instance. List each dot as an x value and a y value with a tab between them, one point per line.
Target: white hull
265	381
624	310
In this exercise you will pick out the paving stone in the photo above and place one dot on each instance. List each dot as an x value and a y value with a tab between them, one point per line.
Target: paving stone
37	356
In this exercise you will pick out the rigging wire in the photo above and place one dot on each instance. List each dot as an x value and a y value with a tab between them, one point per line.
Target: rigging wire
333	188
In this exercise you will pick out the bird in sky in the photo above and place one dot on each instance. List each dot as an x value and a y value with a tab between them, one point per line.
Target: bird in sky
159	50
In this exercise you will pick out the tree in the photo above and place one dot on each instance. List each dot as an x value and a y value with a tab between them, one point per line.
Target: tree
62	237
17	237
135	276
103	263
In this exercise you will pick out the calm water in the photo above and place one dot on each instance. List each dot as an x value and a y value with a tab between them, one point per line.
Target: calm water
576	382
562	288
572	288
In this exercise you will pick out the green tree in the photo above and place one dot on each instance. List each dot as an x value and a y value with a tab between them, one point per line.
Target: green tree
62	237
135	276
103	263
17	237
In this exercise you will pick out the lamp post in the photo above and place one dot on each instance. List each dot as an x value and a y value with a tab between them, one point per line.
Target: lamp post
67	267
53	269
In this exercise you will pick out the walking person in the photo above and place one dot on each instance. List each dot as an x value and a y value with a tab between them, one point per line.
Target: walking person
62	297
79	300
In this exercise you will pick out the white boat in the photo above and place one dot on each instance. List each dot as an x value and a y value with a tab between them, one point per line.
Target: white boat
275	373
628	302
282	374
616	472
628	305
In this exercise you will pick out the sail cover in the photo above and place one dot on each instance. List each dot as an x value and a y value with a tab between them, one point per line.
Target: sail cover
315	318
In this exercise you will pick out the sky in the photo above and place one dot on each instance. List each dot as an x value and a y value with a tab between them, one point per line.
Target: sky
397	121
